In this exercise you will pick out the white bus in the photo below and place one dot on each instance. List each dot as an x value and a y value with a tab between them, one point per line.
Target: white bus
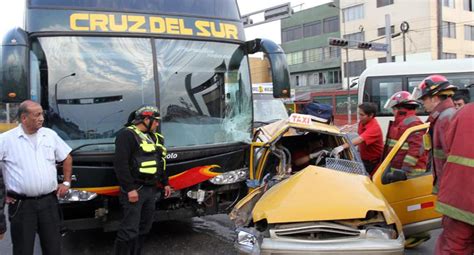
377	83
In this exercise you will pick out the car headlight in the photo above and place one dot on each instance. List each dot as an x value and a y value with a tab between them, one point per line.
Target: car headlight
230	177
75	195
381	233
248	241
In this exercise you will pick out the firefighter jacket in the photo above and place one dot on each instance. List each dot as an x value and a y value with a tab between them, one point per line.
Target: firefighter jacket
439	121
412	156
456	197
148	162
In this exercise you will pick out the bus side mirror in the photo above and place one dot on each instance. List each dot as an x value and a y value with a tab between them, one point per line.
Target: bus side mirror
14	66
279	66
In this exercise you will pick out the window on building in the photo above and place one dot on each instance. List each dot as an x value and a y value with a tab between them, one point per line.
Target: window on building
446	55
294	58
469	56
322	78
382	3
353	13
331	25
469	32
332	52
297	77
334	76
314	55
381	30
449	29
384	59
312	29
359	36
355	67
449	3
291	34
468	5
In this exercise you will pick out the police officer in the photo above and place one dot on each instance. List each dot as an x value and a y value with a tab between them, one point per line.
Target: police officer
139	165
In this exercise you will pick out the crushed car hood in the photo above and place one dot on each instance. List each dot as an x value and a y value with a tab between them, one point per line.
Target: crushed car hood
318	194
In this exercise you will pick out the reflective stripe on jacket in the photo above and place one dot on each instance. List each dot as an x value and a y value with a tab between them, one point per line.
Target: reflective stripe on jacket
439	121
456	194
149	160
412	156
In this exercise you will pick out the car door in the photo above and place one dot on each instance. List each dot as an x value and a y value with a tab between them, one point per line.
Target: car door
412	199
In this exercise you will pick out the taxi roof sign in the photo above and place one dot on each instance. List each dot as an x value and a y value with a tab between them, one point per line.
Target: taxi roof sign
304	119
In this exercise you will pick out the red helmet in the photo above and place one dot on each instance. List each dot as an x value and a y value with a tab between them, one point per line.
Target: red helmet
434	85
147	112
399	99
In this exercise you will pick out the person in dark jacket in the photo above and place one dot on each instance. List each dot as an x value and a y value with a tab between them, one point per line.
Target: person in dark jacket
139	166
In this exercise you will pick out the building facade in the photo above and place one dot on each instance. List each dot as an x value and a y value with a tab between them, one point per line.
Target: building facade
438	29
313	64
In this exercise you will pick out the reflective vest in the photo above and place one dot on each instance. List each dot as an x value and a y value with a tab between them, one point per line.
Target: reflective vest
456	194
149	161
412	156
439	121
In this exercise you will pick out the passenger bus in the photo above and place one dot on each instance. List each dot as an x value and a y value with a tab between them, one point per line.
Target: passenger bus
91	63
377	83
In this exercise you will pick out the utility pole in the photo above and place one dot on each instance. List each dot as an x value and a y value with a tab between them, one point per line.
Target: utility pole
349	111
404	28
388	40
439	30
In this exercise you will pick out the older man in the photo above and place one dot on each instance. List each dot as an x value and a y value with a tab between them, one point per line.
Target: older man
29	154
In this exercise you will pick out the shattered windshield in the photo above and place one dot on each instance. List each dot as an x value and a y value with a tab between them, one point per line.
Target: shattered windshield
89	90
205	93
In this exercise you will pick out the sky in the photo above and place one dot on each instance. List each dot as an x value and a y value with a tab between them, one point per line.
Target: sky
11	15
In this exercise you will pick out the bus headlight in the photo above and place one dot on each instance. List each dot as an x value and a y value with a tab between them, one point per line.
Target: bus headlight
75	195
230	177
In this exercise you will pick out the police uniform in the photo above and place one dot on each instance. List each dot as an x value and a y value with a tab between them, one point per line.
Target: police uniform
139	165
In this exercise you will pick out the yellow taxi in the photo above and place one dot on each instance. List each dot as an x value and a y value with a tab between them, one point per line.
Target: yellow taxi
331	206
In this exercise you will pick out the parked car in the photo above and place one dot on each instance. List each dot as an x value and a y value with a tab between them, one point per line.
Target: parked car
332	205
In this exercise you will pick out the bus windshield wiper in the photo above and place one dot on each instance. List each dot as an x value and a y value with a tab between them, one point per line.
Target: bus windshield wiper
90	144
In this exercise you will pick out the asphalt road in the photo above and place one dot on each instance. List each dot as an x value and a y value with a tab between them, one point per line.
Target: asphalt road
206	235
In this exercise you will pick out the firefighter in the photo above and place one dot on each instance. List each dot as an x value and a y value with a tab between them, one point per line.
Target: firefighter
139	165
455	197
412	157
435	91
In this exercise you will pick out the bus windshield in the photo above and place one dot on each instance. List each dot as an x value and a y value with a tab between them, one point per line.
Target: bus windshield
94	85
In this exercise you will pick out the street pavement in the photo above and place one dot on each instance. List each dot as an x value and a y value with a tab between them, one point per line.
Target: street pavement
205	235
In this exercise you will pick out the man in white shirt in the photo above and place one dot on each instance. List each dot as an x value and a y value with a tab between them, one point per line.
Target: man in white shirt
29	154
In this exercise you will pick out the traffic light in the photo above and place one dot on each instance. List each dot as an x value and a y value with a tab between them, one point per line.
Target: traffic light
364	45
338	42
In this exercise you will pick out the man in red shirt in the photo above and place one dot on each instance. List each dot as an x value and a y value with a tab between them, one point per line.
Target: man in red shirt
370	139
